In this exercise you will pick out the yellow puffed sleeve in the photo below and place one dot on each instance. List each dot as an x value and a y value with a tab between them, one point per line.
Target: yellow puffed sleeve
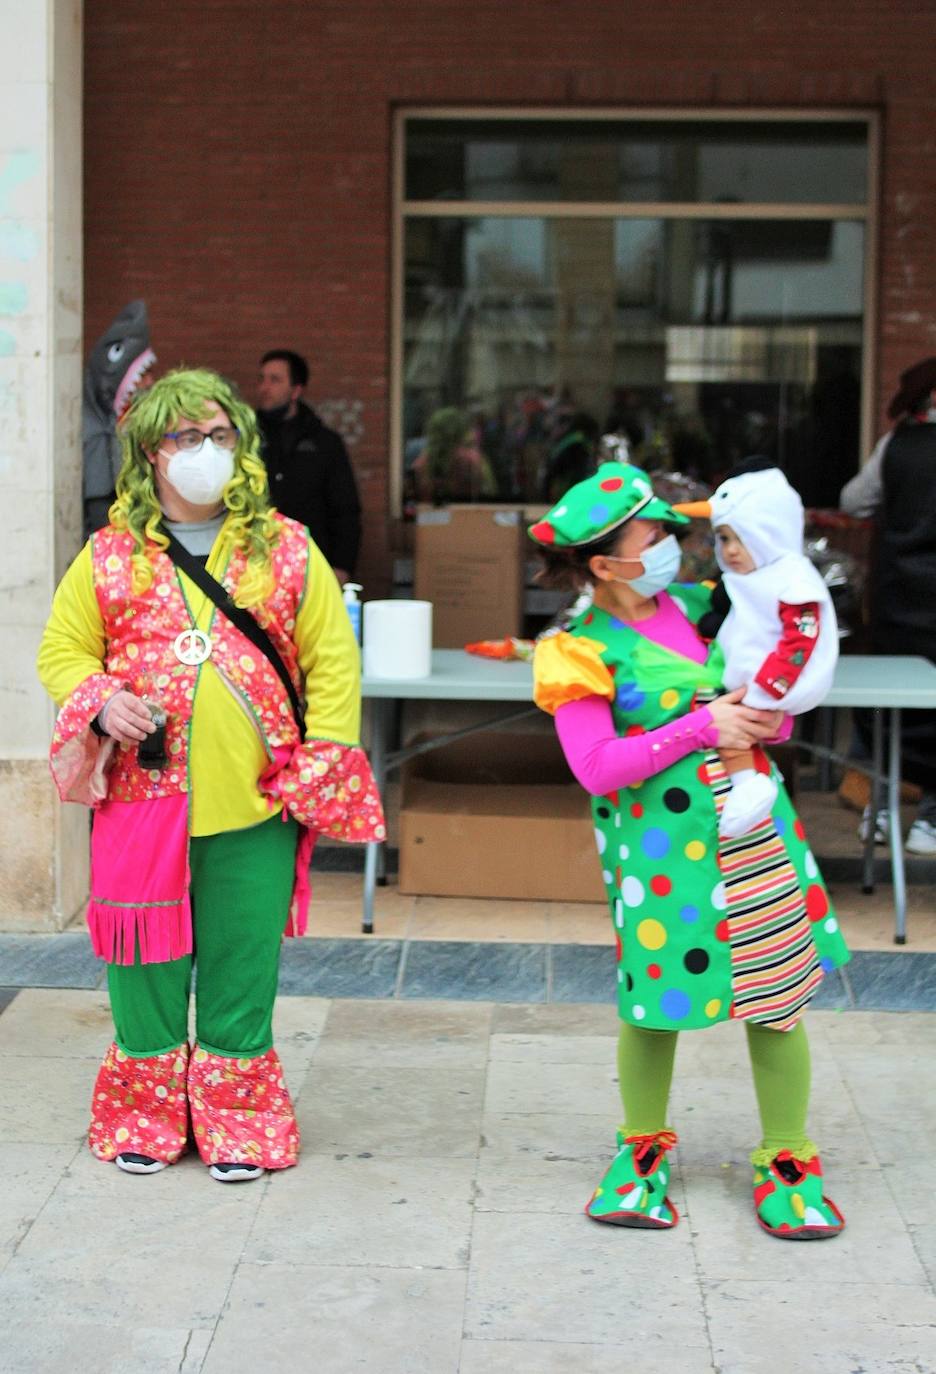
73	642
567	668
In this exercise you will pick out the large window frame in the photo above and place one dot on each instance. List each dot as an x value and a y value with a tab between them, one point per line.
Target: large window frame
402	208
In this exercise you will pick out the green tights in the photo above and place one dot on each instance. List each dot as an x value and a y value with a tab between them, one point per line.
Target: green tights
780	1064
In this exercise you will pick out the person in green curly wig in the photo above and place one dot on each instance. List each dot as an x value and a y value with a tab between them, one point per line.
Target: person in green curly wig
451	467
212	725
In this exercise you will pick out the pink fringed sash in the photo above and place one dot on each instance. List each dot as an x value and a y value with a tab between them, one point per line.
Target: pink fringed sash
297	922
140	881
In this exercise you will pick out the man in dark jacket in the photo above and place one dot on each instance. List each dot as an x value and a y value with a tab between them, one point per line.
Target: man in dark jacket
310	473
897	486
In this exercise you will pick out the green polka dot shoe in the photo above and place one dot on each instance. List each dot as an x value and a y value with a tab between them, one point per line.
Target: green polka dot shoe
633	1191
789	1201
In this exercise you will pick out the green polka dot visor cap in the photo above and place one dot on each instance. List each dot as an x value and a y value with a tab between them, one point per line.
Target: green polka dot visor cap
593	508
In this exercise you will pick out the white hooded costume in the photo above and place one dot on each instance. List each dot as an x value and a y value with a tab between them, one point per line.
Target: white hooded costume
767	516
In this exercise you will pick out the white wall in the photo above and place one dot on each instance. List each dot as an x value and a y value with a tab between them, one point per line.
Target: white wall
43	848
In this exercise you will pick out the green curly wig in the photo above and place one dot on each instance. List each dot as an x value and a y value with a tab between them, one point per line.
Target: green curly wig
445	433
185	394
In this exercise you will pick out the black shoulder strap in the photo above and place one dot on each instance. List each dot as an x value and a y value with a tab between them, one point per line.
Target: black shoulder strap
245	622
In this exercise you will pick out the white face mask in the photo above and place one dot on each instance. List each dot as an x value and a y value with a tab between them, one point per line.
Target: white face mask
660	566
200	475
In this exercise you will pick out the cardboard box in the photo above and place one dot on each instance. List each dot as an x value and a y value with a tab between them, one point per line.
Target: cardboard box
469	562
497	815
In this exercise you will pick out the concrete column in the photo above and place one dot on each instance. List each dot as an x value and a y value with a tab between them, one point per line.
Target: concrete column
43	846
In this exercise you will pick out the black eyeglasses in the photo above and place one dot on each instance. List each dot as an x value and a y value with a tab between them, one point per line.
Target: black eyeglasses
189	440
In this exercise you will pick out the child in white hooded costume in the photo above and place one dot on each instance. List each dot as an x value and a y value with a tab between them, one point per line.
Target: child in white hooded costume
780	637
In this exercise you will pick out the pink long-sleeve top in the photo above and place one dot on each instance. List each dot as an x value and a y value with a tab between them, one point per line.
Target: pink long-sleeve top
602	760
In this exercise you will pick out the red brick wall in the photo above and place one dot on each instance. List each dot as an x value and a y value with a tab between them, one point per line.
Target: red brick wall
237	171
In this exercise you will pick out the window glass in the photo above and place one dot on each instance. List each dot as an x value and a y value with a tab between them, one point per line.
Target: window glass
698	161
701	341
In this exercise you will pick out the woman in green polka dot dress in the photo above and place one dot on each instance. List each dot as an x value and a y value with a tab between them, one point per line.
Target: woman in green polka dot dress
707	928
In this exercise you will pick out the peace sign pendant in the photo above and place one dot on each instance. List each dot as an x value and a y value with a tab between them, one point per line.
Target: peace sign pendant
192	647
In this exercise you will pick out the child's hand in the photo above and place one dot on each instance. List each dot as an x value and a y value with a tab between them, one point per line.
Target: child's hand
740	727
773	720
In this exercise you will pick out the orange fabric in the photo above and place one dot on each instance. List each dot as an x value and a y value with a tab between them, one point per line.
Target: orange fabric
508	648
568	668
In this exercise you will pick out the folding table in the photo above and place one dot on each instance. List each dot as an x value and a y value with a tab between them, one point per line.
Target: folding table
883	684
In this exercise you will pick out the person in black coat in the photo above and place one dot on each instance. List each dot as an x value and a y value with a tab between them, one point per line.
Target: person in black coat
897	486
310	473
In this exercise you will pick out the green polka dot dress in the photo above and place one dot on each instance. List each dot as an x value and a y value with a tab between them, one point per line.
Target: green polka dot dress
706	928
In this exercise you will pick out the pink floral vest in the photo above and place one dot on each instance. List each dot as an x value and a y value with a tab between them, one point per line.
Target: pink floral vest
142	628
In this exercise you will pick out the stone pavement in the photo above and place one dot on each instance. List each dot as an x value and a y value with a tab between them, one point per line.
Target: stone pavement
434	1223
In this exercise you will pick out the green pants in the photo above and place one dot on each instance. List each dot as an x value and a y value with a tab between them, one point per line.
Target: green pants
241	887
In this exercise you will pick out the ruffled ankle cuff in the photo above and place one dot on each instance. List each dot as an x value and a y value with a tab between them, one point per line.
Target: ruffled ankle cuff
803	1150
626	1131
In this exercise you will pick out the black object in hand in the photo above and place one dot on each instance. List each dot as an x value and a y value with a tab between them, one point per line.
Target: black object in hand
151	752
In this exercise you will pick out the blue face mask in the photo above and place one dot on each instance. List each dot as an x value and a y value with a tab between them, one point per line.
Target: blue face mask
660	566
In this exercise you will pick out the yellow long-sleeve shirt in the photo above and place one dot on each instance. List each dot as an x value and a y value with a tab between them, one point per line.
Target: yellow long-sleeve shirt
227	753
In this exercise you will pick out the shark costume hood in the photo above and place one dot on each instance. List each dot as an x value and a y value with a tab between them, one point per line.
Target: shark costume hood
767	516
116	365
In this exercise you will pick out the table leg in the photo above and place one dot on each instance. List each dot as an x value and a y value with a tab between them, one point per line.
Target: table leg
370	882
877	763
896	839
391	743
374	858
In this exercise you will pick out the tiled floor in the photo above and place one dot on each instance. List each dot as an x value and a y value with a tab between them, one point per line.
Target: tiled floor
868	921
434	1223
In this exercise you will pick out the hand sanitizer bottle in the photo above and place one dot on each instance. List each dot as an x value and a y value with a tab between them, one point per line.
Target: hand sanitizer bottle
349	594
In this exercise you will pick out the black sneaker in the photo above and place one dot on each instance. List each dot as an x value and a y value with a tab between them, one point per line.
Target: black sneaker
139	1164
236	1173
